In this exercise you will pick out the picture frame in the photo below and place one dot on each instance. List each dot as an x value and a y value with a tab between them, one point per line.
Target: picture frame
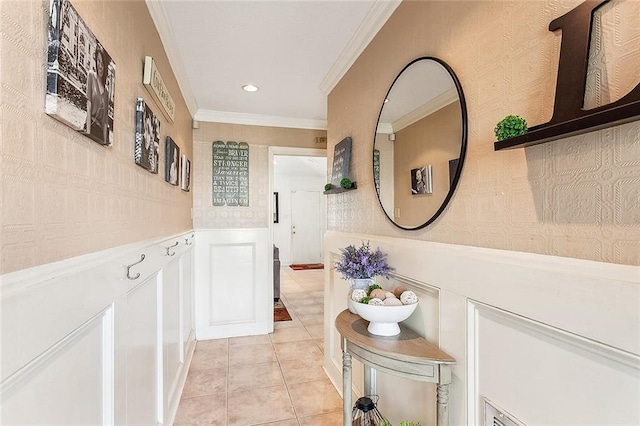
422	180
185	179
156	87
453	168
172	162
80	90
147	144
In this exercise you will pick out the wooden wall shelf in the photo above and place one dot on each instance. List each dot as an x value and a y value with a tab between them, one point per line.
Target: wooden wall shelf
340	189
598	120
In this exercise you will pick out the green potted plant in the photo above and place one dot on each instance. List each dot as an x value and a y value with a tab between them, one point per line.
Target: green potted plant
328	186
346	183
510	126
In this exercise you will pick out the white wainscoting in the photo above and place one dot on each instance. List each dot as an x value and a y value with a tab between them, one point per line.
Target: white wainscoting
82	344
550	340
234	283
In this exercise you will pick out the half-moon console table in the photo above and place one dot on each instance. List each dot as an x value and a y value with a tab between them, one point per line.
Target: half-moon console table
405	355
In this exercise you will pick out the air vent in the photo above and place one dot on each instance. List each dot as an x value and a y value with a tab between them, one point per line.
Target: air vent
496	416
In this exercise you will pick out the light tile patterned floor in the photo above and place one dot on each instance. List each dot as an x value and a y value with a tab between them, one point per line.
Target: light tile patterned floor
267	380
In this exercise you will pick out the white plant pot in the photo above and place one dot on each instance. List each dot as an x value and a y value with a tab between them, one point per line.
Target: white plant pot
361	283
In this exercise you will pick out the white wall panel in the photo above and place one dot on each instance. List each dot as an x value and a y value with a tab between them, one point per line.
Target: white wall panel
555	342
171	335
69	383
83	344
142	354
186	297
335	301
232	272
543	375
234	284
38	313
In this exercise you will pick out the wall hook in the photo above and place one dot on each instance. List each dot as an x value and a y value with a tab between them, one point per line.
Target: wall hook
186	241
134	264
170	247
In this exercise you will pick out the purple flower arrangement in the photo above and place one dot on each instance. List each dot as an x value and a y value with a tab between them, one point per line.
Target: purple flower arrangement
357	263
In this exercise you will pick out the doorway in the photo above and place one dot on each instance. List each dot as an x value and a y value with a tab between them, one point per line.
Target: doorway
298	175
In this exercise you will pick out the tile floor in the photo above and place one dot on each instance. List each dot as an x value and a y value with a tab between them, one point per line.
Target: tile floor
267	380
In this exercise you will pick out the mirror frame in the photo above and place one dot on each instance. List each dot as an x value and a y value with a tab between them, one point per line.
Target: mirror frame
463	142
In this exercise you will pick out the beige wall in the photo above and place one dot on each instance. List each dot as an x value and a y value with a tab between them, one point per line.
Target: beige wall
433	140
259	138
577	197
64	195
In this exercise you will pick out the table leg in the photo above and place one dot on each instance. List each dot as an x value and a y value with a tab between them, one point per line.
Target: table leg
443	395
346	385
443	405
369	380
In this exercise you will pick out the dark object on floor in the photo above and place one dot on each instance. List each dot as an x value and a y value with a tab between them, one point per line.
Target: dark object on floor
276	273
280	312
365	413
307	266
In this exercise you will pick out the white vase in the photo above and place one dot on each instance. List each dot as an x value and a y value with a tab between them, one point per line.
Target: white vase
362	283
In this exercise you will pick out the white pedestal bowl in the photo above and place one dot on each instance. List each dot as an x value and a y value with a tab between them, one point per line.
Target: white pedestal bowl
383	320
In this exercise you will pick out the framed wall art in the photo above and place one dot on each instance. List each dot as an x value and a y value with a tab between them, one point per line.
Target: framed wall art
230	174
154	84
147	137
341	160
453	167
421	180
80	75
172	161
185	167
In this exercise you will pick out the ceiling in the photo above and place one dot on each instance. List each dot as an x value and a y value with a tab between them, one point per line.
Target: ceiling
295	51
299	166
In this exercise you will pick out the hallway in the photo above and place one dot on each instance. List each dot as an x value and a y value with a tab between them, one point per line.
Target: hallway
275	379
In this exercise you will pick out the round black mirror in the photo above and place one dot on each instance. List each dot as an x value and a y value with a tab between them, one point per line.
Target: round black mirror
420	143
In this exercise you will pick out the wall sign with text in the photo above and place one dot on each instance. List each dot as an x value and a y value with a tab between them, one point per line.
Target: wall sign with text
341	159
154	84
230	177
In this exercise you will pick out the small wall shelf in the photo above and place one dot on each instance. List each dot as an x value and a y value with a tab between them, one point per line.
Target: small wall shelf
340	189
588	123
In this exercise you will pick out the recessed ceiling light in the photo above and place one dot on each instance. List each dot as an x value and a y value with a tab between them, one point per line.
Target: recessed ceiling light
250	88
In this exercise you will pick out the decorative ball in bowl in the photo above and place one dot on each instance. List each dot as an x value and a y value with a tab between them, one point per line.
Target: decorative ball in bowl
383	320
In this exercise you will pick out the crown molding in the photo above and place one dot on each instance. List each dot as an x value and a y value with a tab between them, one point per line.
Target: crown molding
384	128
380	12
161	20
424	110
259	120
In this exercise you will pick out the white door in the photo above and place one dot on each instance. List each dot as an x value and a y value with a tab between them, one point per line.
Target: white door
306	237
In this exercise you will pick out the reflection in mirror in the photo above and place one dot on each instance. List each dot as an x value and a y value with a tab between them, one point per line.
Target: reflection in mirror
420	143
